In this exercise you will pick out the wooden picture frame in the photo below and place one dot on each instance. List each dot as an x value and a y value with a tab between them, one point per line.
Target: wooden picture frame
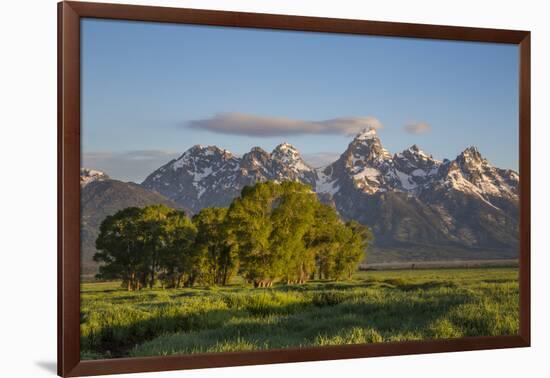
69	16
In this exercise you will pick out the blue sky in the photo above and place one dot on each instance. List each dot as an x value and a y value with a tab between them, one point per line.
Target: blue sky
150	91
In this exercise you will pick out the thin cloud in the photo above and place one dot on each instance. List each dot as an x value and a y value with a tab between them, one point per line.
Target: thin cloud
417	128
130	165
262	126
320	159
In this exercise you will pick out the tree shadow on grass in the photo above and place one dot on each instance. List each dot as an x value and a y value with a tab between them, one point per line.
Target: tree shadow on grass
115	341
427	285
100	291
387	320
501	280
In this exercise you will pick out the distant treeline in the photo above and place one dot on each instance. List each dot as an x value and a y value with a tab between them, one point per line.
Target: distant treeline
272	232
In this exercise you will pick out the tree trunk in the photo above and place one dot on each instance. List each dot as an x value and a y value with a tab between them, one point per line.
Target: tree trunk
152	279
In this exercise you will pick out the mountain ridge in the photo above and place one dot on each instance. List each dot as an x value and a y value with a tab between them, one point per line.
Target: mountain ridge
372	167
462	208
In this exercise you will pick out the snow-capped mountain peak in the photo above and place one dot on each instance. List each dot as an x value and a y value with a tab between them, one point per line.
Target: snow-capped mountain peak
211	176
471	157
285	146
288	155
88	175
415	162
200	150
199	153
414	154
470	172
414	150
367	146
257	159
366	134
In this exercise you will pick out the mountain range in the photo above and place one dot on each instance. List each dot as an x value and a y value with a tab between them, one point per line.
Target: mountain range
418	207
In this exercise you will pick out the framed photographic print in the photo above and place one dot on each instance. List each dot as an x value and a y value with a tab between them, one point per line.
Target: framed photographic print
239	188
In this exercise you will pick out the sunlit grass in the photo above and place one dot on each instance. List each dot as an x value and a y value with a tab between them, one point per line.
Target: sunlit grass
374	307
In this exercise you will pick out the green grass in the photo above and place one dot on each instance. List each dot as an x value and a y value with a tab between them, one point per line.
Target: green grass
378	306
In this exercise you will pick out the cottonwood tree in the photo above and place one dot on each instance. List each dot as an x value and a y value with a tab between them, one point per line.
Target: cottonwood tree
269	222
249	219
353	240
178	255
218	260
121	247
152	220
322	238
135	244
357	245
292	219
339	247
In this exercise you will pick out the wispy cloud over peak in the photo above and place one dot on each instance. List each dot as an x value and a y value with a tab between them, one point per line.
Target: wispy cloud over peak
264	126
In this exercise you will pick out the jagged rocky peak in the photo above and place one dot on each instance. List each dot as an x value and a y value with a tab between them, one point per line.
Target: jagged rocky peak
415	161
286	153
285	146
189	177
415	152
471	173
288	165
256	164
368	137
258	151
366	164
256	155
471	157
472	152
199	156
200	150
367	134
88	175
367	146
471	162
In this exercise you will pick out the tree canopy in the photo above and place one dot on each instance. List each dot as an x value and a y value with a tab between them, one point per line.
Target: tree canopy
138	244
272	232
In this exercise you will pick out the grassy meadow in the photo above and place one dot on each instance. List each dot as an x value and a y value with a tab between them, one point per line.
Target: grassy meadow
375	306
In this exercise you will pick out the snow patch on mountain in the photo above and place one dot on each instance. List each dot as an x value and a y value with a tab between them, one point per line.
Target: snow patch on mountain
325	183
406	181
88	175
288	155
